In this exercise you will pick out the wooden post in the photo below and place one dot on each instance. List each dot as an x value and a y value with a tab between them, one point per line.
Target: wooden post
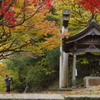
74	71
63	76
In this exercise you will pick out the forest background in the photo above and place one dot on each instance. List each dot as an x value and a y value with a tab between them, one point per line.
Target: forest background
30	32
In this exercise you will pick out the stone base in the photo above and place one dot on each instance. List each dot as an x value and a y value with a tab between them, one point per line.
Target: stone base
90	81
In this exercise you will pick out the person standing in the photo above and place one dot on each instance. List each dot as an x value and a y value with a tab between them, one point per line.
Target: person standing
7	82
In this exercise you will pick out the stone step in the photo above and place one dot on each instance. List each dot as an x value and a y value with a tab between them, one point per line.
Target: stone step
44	96
93	97
31	97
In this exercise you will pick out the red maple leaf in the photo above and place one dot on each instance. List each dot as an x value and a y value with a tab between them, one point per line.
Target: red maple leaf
91	5
34	1
9	14
5	3
12	21
2	11
48	3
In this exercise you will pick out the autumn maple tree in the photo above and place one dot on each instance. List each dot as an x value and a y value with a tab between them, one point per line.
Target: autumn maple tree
91	5
7	13
23	26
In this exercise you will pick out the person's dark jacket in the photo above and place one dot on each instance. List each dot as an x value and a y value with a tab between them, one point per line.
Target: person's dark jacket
7	81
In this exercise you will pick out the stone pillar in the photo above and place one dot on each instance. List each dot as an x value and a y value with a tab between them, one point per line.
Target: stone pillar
74	71
63	73
63	82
